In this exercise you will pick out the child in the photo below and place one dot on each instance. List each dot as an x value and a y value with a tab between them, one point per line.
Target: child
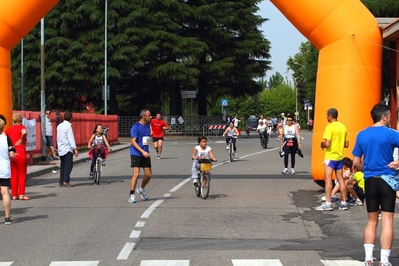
98	140
201	151
354	183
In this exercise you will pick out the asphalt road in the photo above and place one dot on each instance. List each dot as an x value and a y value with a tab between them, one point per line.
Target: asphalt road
254	215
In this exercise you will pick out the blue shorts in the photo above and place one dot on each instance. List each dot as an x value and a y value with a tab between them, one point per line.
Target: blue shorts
49	141
335	165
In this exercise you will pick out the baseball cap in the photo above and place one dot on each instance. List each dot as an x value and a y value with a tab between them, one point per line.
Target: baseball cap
282	114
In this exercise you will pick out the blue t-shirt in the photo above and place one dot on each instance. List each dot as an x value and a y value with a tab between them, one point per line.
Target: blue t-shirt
142	135
377	145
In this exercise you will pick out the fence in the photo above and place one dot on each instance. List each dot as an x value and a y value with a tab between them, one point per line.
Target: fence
179	125
82	125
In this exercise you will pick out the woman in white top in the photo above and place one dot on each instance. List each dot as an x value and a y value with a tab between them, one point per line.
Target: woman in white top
97	140
201	151
231	132
7	151
290	141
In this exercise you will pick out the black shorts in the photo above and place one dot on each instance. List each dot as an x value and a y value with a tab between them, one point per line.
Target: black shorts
4	182
49	141
156	139
138	161
379	194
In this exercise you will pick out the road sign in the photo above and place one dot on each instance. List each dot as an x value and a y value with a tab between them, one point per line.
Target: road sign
188	94
225	102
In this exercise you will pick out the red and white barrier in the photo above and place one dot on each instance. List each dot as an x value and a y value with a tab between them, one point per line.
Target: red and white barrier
216	126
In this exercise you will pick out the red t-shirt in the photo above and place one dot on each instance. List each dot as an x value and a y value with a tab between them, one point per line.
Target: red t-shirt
157	127
14	132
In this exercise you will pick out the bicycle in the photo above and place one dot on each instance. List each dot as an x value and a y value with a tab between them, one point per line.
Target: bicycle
231	147
264	139
98	165
204	178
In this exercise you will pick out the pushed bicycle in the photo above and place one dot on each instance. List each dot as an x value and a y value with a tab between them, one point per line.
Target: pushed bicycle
204	178
98	167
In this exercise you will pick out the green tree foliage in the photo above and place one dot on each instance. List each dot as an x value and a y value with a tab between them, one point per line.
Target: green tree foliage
274	81
156	48
304	67
277	100
383	8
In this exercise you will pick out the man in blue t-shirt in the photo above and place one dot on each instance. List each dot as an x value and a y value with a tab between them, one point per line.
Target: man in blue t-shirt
140	154
373	154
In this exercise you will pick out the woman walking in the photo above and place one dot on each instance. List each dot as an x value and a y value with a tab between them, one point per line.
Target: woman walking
290	141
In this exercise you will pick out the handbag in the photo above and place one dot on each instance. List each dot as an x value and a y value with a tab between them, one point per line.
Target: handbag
392	181
290	143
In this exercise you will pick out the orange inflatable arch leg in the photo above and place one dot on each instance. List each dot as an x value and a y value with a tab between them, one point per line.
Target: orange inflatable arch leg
350	64
17	18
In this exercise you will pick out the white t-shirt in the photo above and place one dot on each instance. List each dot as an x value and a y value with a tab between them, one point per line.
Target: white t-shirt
261	128
5	166
290	131
201	153
235	121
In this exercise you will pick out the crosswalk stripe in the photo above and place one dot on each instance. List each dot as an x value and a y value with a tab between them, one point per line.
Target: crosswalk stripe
6	263
256	263
165	263
342	262
73	263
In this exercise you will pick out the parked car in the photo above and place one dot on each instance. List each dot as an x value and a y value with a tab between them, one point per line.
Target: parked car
253	121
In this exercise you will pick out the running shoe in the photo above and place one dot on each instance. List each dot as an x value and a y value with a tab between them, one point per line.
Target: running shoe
292	171
285	171
227	147
333	198
385	264
235	155
103	162
91	175
195	182
132	198
343	207
324	207
158	157
8	221
142	193
356	202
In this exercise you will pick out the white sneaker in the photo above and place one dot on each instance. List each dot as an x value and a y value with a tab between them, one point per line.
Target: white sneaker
235	155
292	171
285	171
132	198
158	157
227	147
142	193
324	207
103	162
195	182
333	198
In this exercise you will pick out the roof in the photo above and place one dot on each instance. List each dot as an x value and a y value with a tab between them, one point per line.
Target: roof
389	28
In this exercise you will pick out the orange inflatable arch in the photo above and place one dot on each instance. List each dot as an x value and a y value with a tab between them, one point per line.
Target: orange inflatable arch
350	64
17	18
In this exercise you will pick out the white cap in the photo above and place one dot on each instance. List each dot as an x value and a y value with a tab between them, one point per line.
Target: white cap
282	114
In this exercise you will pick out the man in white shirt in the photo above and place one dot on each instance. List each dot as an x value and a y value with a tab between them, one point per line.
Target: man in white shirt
66	149
236	121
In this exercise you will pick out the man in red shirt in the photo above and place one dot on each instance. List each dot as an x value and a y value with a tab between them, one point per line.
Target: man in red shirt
157	131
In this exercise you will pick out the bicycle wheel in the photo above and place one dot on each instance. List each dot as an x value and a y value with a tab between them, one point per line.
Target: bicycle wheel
205	185
95	173
98	170
231	153
264	143
198	188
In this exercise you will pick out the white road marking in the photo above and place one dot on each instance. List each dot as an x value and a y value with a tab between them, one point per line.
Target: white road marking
135	234
140	224
73	263
6	263
165	263
150	209
256	263
126	250
342	262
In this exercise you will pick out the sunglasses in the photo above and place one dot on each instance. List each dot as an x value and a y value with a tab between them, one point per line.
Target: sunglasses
47	113
289	119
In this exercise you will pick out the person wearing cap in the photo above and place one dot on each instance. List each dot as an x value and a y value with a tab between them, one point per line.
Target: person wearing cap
261	129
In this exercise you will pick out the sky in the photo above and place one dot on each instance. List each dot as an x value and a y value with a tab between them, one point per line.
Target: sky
284	38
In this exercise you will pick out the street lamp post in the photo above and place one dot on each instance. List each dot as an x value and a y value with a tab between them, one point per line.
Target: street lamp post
105	58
